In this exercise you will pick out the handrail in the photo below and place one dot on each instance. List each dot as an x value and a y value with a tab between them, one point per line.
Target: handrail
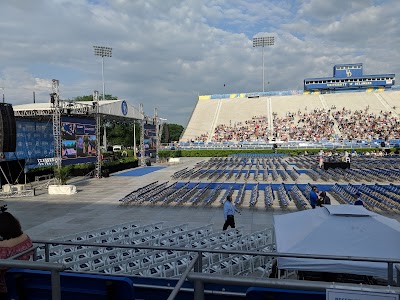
389	261
179	284
221	251
281	283
16	256
198	278
54	268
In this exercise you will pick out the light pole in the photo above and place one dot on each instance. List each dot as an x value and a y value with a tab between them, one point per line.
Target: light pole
3	93
103	52
262	42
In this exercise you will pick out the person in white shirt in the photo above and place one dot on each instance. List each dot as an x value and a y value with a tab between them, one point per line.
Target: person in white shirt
229	213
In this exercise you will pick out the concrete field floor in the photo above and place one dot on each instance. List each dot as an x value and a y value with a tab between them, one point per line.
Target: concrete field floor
96	205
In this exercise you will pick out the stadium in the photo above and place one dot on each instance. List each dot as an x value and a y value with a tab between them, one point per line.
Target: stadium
155	232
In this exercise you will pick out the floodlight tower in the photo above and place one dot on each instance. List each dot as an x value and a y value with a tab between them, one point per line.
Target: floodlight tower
160	129
142	149
103	52
98	135
55	101
156	123
2	88
262	42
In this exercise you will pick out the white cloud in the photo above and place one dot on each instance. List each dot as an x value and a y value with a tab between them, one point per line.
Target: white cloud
166	52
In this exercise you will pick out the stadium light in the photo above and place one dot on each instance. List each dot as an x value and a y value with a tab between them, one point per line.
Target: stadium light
263	41
103	52
3	93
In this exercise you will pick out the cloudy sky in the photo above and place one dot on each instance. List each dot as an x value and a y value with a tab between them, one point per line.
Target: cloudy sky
165	53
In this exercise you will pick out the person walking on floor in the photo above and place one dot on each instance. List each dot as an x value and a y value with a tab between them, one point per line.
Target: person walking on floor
229	213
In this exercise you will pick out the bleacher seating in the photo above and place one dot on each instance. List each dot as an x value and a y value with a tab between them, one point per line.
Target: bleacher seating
219	128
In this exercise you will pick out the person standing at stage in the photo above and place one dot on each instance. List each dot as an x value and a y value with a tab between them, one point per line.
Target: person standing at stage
229	213
12	242
314	196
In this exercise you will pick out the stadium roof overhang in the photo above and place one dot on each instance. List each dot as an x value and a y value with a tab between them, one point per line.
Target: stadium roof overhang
108	109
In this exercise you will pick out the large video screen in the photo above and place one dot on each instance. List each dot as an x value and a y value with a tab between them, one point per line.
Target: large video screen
79	143
150	139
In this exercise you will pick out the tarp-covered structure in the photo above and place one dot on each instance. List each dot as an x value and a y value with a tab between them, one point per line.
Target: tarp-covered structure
111	109
342	230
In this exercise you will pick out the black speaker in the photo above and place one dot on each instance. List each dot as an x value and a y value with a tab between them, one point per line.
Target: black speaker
383	145
8	128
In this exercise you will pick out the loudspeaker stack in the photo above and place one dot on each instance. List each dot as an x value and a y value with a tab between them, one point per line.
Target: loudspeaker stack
8	128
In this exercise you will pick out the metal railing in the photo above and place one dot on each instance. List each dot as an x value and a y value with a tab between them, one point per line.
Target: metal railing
270	147
54	268
199	279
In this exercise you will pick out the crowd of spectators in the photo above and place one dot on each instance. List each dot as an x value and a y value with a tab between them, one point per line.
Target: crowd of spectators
364	125
311	126
252	130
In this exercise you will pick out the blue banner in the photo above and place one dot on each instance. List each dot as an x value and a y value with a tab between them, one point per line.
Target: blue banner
34	141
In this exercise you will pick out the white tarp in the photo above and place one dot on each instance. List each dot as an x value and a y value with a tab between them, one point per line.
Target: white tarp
119	108
343	230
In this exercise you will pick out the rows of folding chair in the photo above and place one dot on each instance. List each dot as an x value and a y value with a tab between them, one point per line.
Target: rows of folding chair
306	192
385	202
391	191
212	195
150	259
240	195
293	174
283	197
186	195
313	174
175	194
178	173
134	194
169	189
298	198
243	264
274	175
146	196
268	196
198	196
113	234
254	195
283	174
175	262
265	174
341	195
228	191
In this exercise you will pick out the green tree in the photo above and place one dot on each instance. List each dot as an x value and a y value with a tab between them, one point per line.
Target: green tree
121	134
175	131
90	97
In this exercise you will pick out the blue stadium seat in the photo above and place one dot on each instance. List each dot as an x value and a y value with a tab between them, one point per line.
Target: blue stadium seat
255	293
35	285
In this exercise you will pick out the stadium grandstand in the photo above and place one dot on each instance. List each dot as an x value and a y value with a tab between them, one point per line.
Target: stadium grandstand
155	232
316	114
